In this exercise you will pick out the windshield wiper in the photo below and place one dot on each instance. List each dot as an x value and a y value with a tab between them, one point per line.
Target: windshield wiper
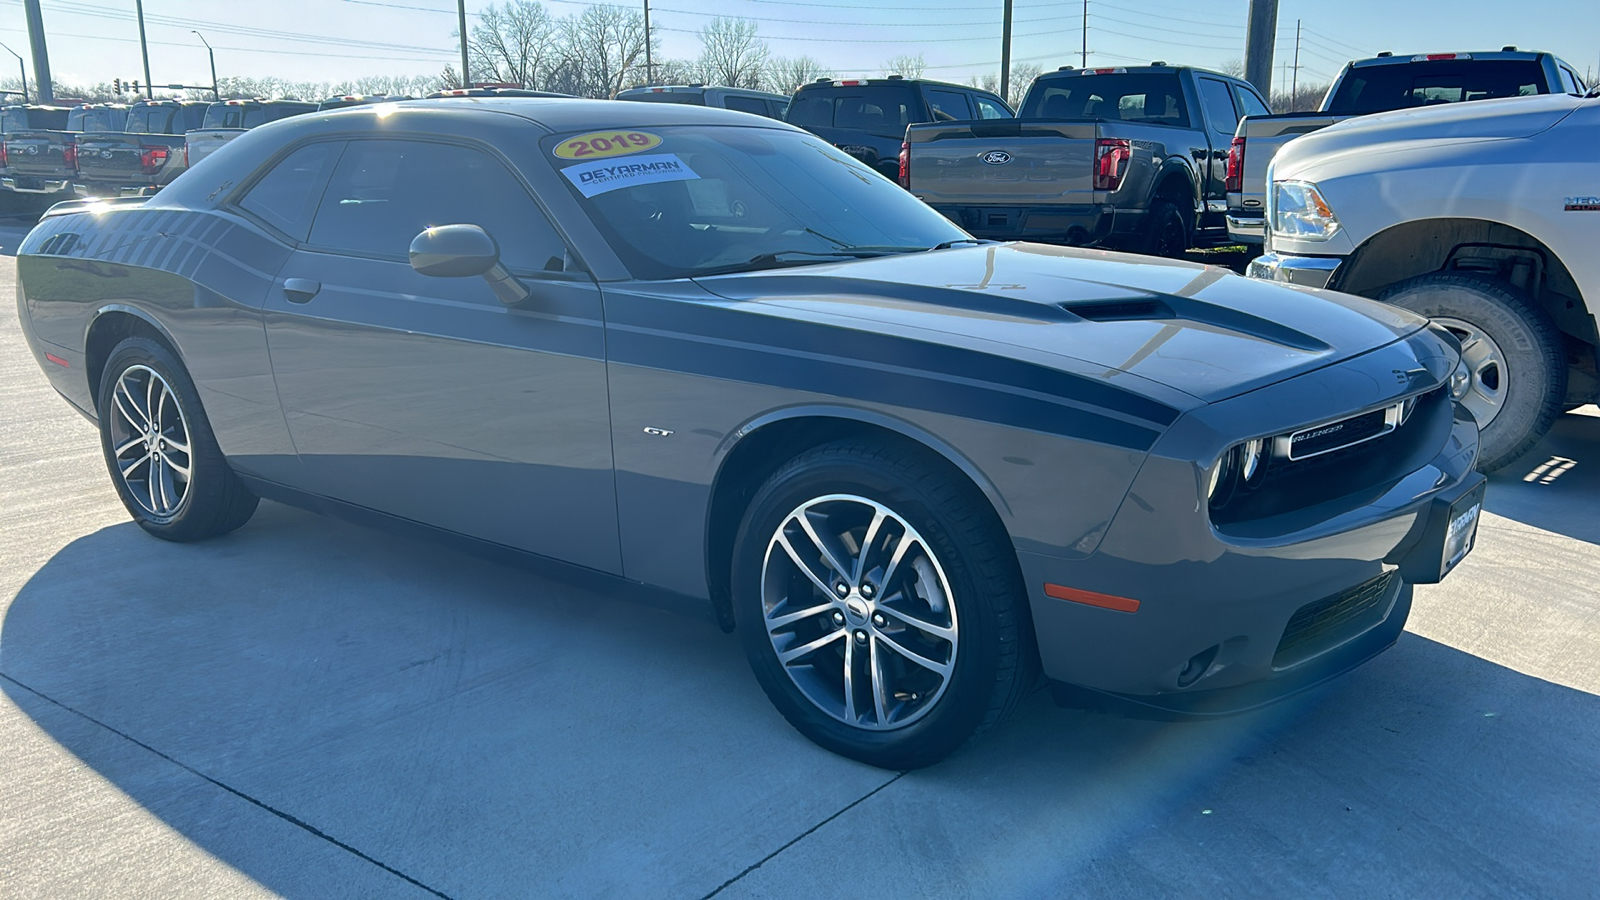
777	258
946	245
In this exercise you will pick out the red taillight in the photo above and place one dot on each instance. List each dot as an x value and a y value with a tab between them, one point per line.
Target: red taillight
905	164
186	154
151	159
1110	157
69	154
1235	182
3	154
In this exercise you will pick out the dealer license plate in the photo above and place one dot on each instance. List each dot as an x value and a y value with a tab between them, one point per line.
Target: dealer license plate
1462	530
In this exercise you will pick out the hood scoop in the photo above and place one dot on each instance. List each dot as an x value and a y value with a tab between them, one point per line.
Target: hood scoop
1195	313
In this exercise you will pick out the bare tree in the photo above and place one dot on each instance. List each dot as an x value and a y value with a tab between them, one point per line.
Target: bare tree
603	50
1023	76
787	73
908	66
1234	67
449	78
515	43
1305	98
732	54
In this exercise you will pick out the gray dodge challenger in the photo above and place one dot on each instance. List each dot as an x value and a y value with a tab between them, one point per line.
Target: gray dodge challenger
707	352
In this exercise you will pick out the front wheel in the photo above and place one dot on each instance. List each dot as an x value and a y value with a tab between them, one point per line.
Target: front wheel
1512	349
880	606
159	449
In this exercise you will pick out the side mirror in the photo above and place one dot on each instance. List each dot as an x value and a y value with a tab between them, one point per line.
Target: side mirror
454	251
461	251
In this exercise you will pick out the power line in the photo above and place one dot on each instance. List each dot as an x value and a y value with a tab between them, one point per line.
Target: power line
1140	37
101	37
101	12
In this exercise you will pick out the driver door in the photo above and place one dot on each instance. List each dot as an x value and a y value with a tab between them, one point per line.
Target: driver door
427	398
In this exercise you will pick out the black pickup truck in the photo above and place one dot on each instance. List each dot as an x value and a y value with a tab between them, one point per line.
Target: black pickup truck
41	146
1127	157
146	154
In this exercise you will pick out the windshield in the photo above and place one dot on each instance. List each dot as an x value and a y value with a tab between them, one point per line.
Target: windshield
1137	97
33	119
97	119
697	200
1380	88
152	120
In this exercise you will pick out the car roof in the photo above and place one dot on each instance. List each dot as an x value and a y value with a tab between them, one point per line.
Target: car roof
1461	56
875	82
699	89
575	114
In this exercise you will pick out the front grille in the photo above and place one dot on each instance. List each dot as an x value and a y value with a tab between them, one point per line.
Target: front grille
1331	621
1338	435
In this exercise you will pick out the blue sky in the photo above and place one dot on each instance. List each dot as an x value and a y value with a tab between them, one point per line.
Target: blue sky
316	40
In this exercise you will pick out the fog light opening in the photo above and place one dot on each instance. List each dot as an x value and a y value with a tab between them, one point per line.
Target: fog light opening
1197	665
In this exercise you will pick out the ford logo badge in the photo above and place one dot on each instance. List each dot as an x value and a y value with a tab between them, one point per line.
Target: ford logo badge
996	157
105	154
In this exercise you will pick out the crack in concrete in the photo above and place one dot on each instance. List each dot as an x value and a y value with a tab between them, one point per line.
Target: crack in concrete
298	823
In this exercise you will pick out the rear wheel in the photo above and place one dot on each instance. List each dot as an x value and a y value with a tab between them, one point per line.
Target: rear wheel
1511	347
879	606
1167	231
159	449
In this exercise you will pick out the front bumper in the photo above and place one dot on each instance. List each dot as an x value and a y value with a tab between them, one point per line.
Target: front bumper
1236	615
1247	229
1308	271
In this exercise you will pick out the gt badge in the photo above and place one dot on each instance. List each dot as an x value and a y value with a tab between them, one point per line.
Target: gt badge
996	157
1583	204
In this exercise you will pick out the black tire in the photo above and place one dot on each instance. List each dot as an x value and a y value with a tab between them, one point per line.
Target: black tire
1530	380
1166	231
992	662
211	501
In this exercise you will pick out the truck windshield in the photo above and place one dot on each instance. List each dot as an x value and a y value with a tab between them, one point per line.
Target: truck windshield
97	119
1141	97
687	201
882	110
155	120
32	120
1380	88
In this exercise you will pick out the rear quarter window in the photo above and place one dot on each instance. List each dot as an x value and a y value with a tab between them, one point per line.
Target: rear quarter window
813	110
1379	88
286	197
754	105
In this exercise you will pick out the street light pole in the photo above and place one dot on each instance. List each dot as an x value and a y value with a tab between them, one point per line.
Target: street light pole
1005	53
23	69
215	94
461	11
144	51
649	62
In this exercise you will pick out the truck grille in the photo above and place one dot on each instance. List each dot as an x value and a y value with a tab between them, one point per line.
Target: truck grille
1331	621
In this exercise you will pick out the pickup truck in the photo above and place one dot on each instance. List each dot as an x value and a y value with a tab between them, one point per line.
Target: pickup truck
1382	84
1484	217
867	117
227	119
1131	158
146	154
15	121
42	153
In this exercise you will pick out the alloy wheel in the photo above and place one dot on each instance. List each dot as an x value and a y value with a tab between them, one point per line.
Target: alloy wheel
1486	395
150	441
859	612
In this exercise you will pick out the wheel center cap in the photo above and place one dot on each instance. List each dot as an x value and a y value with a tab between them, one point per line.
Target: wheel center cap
857	609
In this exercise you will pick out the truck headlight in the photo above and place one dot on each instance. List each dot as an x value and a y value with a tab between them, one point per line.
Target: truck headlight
1299	213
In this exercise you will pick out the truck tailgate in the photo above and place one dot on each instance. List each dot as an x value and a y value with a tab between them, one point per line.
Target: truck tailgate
120	159
39	153
1003	162
203	143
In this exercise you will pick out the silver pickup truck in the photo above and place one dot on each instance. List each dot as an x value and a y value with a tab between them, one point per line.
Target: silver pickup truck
1382	84
227	119
1131	157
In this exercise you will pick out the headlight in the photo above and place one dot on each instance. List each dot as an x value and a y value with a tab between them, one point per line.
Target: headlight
1299	213
1242	464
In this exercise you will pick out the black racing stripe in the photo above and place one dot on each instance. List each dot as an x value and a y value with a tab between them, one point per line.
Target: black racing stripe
930	393
764	329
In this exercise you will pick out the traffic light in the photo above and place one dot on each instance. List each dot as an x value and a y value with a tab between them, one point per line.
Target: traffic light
133	86
116	85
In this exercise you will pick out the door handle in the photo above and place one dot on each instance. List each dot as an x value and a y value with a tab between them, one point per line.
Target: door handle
300	290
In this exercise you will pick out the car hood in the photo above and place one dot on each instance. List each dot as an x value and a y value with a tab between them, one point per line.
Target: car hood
1480	120
1197	329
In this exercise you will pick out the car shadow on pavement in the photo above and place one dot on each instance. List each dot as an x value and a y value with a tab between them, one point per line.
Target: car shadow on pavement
484	731
1556	485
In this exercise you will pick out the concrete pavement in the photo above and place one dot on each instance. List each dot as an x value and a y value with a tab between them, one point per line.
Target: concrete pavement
309	708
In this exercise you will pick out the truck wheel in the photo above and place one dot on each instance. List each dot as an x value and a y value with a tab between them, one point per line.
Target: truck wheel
1519	370
880	607
164	461
1167	233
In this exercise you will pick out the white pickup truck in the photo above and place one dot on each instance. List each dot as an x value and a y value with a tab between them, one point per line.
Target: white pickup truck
1484	217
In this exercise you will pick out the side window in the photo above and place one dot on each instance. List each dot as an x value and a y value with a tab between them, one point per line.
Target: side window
384	193
1569	81
745	104
810	112
778	109
1250	103
990	109
948	105
1218	101
286	197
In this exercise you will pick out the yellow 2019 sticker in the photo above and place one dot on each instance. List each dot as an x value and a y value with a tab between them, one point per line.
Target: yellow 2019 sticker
601	144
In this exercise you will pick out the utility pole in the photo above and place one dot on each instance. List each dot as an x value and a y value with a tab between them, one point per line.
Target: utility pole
1263	31
23	69
215	94
461	13
649	63
1083	59
1005	53
1294	82
144	51
45	91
